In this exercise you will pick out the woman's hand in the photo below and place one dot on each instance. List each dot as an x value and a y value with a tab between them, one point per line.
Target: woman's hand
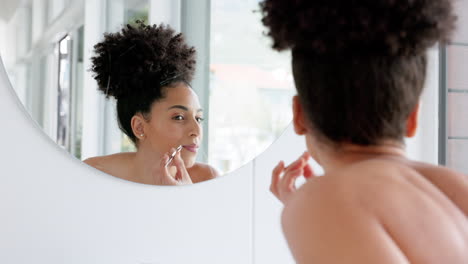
283	187
174	173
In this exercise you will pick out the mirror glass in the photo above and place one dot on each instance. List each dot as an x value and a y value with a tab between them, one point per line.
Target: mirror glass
243	86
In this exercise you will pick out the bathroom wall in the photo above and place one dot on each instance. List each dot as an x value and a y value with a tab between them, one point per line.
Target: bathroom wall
457	93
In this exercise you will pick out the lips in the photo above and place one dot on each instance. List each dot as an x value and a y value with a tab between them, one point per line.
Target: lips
192	148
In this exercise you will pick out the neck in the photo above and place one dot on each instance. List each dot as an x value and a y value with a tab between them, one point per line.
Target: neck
349	154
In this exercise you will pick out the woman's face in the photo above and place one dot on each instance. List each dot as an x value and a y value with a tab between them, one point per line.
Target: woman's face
176	120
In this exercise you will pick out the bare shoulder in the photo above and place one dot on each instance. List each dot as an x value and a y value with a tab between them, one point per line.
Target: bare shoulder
93	161
109	163
379	181
434	171
453	184
202	172
325	222
369	211
412	176
96	162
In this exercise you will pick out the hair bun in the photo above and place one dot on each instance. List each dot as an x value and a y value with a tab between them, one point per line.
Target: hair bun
384	27
141	57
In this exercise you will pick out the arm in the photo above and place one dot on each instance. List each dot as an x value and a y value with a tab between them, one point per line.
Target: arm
324	225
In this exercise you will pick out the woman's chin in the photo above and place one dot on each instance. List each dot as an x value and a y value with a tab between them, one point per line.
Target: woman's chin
189	163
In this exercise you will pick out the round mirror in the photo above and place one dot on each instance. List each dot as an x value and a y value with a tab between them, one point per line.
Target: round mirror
242	86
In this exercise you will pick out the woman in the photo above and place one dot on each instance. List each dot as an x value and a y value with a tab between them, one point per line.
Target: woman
148	70
359	69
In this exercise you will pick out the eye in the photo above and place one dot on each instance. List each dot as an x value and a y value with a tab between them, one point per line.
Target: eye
200	119
178	118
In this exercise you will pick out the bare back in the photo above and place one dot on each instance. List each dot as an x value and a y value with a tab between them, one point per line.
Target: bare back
428	219
384	211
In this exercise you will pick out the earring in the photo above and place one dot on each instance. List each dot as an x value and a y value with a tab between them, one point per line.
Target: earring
142	135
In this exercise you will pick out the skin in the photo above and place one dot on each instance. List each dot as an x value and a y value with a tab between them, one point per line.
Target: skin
174	120
373	205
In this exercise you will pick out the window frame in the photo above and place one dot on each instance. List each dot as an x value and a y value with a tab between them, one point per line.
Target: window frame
443	92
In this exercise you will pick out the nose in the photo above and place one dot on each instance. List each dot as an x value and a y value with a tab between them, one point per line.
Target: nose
195	129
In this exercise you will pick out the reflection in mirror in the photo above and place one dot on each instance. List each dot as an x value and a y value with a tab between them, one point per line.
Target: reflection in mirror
243	87
148	70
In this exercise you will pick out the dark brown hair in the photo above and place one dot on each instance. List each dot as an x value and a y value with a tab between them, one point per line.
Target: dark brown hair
359	66
135	65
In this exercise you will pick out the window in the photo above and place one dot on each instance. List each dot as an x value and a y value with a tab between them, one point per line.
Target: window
63	106
136	10
454	104
54	9
120	13
76	126
454	96
251	86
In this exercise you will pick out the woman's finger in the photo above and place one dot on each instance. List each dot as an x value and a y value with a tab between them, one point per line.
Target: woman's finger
308	172
275	177
171	154
288	182
284	186
299	163
182	174
179	164
162	174
164	160
295	164
288	188
162	169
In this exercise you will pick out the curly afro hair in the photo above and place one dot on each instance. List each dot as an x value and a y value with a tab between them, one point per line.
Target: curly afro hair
379	27
135	65
359	65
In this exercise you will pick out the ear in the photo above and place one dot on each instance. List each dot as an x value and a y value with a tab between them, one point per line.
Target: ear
138	124
413	121
298	117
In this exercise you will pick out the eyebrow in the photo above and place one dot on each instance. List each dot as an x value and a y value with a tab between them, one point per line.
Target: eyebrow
183	108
